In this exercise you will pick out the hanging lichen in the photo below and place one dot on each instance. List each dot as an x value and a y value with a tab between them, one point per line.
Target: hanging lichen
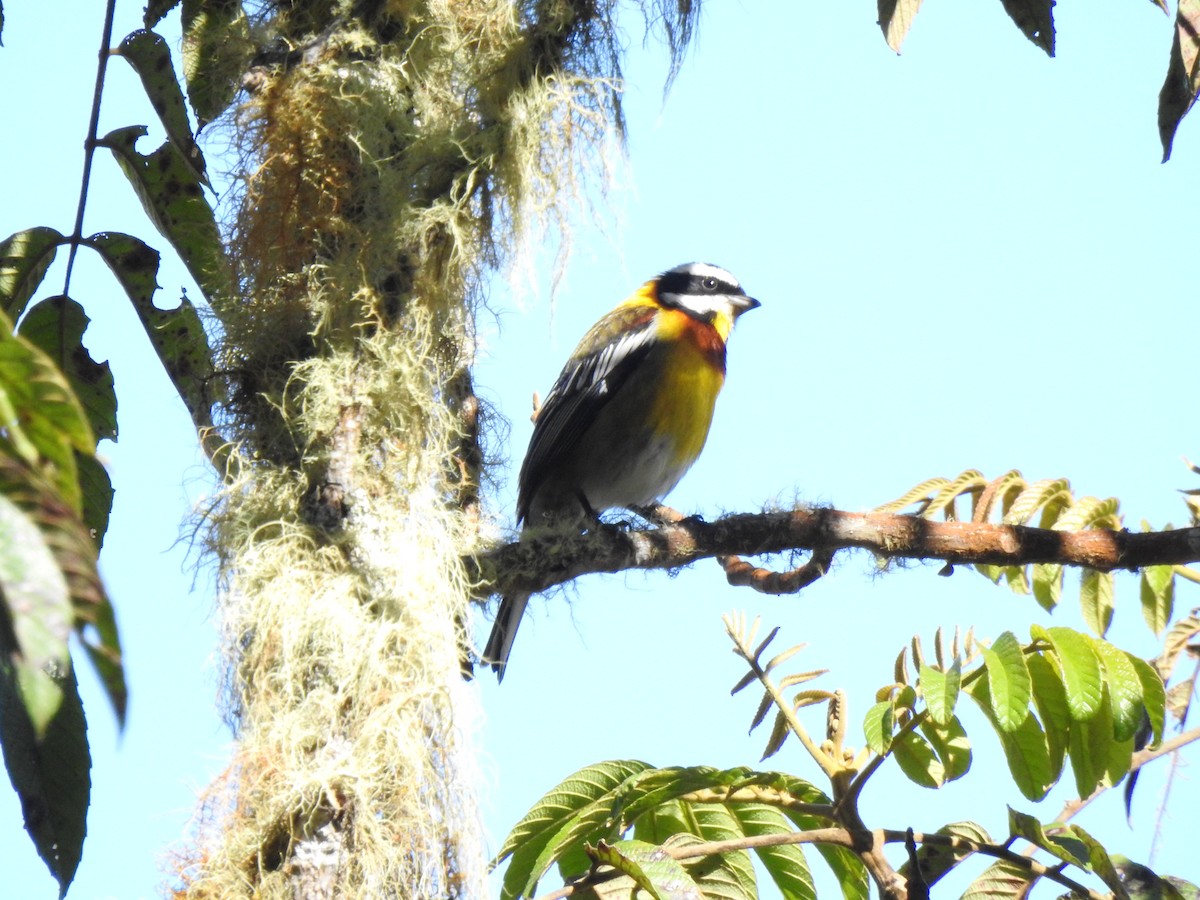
392	153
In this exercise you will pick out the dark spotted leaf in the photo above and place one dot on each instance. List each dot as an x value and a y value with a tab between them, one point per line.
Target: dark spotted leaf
150	57
216	51
174	200
56	326
156	11
177	334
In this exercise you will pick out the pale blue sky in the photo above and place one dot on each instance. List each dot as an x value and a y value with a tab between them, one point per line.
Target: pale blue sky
968	256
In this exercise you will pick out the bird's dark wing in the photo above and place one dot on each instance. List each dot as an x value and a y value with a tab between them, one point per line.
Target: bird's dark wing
604	359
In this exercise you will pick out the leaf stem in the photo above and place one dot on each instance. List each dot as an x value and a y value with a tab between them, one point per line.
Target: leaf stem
89	147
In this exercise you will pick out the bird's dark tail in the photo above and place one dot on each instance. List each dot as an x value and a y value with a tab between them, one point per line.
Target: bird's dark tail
504	632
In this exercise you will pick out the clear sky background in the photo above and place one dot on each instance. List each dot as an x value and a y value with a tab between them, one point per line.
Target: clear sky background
968	256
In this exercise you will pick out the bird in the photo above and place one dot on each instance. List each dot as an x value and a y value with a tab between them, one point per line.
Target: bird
628	414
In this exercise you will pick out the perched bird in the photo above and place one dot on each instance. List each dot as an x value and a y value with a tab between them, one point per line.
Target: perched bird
629	413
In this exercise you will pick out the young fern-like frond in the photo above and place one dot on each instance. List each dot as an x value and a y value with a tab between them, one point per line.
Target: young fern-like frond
1050	504
786	722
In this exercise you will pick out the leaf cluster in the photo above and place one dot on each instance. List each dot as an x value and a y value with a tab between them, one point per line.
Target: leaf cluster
1047	503
1035	19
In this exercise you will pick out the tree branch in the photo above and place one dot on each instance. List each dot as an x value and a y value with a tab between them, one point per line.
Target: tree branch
553	558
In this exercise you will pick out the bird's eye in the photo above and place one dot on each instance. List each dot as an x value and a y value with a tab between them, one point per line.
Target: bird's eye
709	284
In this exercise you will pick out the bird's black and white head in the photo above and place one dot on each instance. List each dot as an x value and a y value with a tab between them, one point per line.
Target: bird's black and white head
703	291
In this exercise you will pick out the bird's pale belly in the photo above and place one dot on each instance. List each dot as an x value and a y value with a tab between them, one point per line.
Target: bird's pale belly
654	463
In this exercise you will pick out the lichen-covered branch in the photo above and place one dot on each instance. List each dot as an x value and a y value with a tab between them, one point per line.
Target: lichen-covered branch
541	562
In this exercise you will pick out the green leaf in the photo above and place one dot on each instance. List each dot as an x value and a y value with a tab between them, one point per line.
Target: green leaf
651	867
25	257
177	334
98	492
50	774
717	823
1026	826
917	760
1124	689
878	727
1158	596
56	326
1001	880
1178	93
950	743
1047	492
1099	861
1035	18
573	811
216	50
1154	696
150	57
173	198
1050	698
1096	599
1026	748
36	606
1080	669
786	863
1098	759
1140	883
74	554
936	860
1047	584
41	418
940	690
1008	681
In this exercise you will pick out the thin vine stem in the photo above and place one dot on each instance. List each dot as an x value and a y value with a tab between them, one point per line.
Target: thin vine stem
89	147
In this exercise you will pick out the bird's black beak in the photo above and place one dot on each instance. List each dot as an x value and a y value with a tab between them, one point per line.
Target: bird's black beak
744	304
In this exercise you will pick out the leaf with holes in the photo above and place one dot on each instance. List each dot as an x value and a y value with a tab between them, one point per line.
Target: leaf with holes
56	326
173	198
177	334
150	57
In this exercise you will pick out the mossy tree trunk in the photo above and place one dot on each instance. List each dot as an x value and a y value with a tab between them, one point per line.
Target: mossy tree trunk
390	154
